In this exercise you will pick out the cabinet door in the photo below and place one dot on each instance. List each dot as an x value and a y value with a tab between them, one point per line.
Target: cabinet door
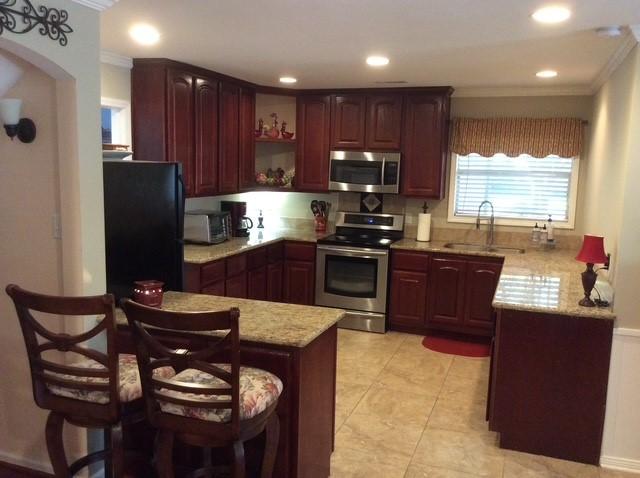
408	298
206	137
274	281
217	288
348	114
299	281
247	138
237	286
384	122
312	157
180	131
482	280
447	292
229	138
425	145
257	283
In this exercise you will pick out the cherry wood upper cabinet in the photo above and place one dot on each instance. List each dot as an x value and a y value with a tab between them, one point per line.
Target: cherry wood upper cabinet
229	138
482	280
425	145
180	130
384	122
312	156
206	137
348	121
247	166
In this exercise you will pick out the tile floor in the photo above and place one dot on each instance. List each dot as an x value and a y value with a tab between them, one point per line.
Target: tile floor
405	411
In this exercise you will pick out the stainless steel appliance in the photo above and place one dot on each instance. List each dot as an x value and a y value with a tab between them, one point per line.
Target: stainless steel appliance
207	227
363	171
352	268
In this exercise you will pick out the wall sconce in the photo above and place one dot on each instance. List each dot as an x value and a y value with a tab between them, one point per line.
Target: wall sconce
23	128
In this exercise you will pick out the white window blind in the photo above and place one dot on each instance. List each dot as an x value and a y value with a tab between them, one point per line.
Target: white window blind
520	188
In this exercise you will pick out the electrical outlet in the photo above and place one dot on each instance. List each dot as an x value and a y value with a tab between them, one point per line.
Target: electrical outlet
56	226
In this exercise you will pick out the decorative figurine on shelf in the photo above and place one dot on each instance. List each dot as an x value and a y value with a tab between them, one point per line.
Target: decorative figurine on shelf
273	132
284	133
260	220
260	131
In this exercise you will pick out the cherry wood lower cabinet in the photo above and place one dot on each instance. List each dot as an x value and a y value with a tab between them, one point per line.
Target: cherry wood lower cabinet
306	407
280	272
447	292
548	390
299	273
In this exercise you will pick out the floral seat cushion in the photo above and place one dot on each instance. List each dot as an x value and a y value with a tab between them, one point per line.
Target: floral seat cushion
130	388
258	390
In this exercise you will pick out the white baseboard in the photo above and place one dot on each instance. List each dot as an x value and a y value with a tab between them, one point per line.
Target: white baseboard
621	464
25	462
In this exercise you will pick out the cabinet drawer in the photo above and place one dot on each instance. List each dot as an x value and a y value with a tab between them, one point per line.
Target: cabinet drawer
256	258
236	265
300	251
275	253
212	272
410	261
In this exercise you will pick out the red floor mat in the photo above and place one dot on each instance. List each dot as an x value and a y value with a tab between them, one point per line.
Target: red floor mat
447	345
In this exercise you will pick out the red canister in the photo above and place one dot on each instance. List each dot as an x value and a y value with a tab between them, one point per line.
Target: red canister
148	292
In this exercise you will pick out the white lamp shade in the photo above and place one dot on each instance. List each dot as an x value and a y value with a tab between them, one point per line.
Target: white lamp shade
10	73
10	111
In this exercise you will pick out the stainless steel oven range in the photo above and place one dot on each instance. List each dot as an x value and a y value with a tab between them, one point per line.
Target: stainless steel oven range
352	268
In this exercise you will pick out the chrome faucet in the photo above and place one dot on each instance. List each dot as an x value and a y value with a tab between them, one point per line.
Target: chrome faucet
492	222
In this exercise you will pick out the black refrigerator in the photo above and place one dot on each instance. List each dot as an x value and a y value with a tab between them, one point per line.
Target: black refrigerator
143	214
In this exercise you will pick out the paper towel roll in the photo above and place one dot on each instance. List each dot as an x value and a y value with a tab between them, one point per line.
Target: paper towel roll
424	227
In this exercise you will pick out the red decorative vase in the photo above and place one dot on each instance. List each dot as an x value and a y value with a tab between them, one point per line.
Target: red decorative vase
148	292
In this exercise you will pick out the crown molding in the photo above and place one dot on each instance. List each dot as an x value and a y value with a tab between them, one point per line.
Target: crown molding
111	58
99	5
629	41
489	92
635	31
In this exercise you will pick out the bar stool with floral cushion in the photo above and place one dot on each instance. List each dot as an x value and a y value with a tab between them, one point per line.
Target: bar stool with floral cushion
211	401
78	384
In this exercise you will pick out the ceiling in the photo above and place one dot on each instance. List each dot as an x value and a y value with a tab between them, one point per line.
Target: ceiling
463	43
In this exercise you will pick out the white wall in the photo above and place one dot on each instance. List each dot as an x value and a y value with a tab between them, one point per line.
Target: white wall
611	209
61	171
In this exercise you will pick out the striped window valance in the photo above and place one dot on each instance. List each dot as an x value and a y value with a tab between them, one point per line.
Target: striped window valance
538	137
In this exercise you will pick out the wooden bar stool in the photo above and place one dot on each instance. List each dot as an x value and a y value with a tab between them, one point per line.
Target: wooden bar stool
210	405
97	391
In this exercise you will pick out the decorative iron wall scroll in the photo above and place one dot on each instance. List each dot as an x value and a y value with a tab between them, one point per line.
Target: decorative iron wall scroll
21	16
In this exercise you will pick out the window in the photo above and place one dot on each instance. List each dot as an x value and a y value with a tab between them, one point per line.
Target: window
116	121
523	189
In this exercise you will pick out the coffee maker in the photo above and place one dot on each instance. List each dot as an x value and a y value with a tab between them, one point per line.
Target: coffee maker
240	223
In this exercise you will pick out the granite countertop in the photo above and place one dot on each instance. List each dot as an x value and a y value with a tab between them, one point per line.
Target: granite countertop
195	254
263	322
538	281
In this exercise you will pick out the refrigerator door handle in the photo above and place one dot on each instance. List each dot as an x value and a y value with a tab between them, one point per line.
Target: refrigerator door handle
182	199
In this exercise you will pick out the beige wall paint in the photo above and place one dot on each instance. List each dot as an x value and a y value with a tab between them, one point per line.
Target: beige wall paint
29	255
115	82
67	151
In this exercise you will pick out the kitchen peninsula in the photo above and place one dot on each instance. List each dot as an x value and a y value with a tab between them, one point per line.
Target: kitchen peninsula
295	342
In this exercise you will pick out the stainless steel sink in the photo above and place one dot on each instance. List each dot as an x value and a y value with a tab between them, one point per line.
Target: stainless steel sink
465	246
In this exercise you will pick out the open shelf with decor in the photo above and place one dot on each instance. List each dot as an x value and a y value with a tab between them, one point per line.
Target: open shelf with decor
275	142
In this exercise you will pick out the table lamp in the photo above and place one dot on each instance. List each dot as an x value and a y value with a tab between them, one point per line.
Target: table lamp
592	252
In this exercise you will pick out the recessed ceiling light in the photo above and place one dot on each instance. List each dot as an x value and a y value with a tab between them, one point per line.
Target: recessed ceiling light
376	60
547	74
288	79
551	14
144	34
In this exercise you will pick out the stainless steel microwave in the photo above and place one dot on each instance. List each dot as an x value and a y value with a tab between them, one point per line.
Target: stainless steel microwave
206	227
364	171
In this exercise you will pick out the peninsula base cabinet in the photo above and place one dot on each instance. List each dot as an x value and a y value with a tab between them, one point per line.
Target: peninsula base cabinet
447	292
548	383
281	272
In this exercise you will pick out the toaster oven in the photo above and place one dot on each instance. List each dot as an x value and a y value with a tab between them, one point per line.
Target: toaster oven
206	227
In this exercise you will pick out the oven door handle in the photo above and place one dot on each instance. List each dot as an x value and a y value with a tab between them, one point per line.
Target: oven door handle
364	252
